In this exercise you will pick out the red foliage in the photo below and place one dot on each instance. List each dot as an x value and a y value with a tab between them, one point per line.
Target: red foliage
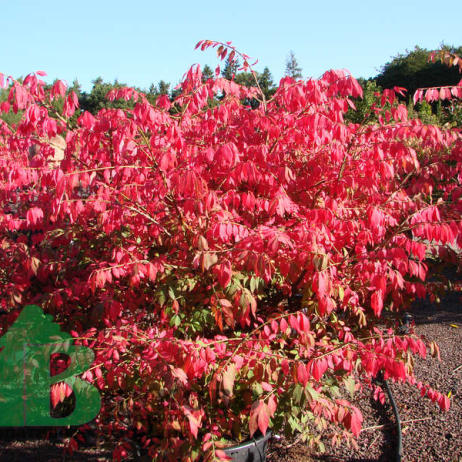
219	259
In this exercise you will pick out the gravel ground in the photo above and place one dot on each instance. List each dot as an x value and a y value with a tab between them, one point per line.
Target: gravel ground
27	445
429	435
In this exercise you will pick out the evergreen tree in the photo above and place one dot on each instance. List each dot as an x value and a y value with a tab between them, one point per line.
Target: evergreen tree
207	73
246	79
363	113
412	70
76	88
96	99
265	80
230	69
163	87
152	94
292	67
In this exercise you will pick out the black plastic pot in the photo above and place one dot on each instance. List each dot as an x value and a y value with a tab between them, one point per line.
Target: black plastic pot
250	451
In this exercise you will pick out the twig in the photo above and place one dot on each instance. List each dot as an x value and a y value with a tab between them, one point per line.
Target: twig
457	368
379	427
296	441
374	440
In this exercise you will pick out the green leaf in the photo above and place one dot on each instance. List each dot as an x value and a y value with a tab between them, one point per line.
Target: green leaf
175	320
311	393
257	389
171	293
162	298
294	424
349	383
297	393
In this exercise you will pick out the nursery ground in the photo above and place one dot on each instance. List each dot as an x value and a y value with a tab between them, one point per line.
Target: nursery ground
429	435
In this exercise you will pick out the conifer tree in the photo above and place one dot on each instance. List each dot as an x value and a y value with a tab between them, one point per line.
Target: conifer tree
230	69
207	73
292	67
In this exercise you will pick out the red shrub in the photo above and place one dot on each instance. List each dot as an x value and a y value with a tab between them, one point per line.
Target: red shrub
229	266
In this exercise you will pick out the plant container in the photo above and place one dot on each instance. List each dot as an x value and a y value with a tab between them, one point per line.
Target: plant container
253	450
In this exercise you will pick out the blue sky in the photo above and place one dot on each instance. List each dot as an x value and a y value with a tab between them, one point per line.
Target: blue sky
140	42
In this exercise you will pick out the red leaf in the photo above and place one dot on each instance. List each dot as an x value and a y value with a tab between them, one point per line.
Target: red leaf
259	417
193	425
181	375
223	272
272	405
71	103
321	283
377	302
20	97
319	367
302	374
266	386
168	161
354	421
303	322
164	102
444	403
34	216
417	96
5	106
87	120
222	455
59	392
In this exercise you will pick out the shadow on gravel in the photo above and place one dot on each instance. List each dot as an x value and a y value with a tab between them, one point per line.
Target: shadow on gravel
383	416
448	311
348	459
39	444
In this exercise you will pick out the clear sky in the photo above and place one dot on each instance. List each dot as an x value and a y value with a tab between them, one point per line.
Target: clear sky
140	42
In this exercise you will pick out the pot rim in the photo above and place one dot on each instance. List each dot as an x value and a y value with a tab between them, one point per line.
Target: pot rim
253	442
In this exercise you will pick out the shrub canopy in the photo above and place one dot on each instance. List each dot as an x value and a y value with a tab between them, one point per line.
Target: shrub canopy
232	267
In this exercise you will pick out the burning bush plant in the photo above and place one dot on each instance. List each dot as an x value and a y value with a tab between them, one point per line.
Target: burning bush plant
233	267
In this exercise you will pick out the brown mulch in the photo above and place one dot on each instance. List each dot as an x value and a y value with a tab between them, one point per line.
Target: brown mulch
429	434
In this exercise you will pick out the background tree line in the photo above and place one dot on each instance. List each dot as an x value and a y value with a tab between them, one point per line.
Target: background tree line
410	70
